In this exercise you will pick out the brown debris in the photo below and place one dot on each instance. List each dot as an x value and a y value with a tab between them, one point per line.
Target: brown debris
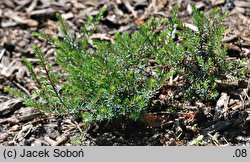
26	114
25	126
217	2
10	106
20	20
243	4
60	140
9	3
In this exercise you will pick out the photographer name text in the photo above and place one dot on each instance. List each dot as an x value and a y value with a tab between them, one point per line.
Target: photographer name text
42	153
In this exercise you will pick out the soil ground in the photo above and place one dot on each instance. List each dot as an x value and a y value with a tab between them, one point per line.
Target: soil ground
21	125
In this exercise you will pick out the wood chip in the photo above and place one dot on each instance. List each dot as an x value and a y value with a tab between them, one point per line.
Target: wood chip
32	6
61	139
246	42
12	15
101	36
130	8
10	106
42	12
221	105
11	68
37	142
219	126
191	26
13	120
28	113
9	3
2	53
8	24
30	22
200	5
24	132
157	119
68	15
230	39
217	2
243	4
189	9
50	141
243	138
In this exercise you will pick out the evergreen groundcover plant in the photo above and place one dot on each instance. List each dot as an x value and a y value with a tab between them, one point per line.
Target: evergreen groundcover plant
110	81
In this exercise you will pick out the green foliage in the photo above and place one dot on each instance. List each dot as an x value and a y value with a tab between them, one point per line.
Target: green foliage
76	141
116	80
200	57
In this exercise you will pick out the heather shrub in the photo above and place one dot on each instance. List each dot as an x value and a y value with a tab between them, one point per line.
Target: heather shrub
113	80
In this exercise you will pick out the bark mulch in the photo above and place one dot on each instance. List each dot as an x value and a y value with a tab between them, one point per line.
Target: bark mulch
224	122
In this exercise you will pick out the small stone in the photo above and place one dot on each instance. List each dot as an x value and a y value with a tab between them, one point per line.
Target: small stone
87	143
172	142
67	144
189	9
52	133
24	142
188	128
11	143
31	139
194	129
13	120
1	87
22	43
162	97
4	136
15	128
37	142
248	118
